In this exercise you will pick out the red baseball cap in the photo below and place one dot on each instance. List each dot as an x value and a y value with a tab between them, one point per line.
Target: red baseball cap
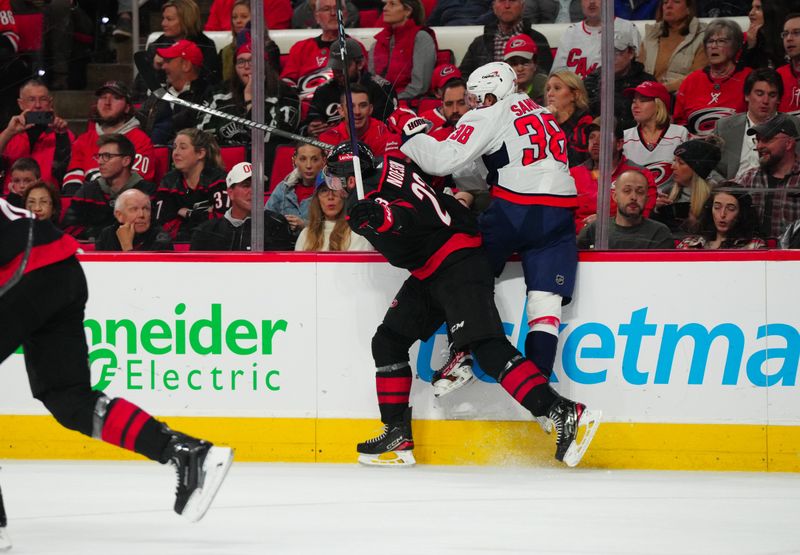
520	45
443	73
185	49
651	89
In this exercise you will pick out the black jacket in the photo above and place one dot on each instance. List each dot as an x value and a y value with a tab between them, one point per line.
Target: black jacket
481	50
222	235
154	239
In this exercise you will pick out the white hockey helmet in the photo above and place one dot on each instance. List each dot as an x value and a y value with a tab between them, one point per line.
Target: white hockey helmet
496	78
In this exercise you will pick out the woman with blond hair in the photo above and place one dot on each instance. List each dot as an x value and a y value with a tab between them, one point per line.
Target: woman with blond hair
568	101
653	141
682	207
327	228
194	191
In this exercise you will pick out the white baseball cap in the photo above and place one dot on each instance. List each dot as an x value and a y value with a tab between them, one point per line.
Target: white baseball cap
239	173
626	35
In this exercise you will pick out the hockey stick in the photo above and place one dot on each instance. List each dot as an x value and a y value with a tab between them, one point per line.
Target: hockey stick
351	122
167	97
150	78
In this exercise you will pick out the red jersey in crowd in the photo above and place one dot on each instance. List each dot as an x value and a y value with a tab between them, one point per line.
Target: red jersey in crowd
377	137
8	27
702	100
43	150
82	167
790	103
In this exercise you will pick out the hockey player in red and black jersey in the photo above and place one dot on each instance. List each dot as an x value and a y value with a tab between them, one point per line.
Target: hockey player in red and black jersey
43	295
437	239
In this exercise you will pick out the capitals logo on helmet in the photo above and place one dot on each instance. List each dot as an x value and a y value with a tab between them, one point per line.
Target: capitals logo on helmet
495	78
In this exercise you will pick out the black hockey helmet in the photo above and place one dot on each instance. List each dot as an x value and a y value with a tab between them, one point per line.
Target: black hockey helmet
340	164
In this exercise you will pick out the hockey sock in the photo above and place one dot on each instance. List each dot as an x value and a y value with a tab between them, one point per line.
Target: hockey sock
527	385
129	427
393	383
540	348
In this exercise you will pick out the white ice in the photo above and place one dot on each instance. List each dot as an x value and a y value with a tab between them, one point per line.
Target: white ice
124	508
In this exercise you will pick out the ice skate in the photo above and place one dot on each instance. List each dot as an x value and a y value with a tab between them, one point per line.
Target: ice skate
456	373
568	417
201	469
394	447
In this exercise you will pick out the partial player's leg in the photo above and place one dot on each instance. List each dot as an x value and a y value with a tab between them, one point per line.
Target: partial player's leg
5	540
410	317
56	360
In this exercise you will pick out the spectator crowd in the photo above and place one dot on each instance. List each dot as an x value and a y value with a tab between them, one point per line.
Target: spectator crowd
705	149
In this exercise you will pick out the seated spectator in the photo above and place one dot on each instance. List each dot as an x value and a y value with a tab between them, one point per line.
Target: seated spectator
715	91
460	12
240	31
587	176
778	169
324	110
194	191
790	101
327	228
727	222
653	141
673	46
442	75
682	207
303	15
520	54
232	232
24	173
566	99
44	200
404	51
306	66
92	204
628	74
554	11
277	15
506	23
180	20
113	113
763	89
47	143
134	229
579	48
629	229
182	63
292	196
369	130
454	105
235	97
636	10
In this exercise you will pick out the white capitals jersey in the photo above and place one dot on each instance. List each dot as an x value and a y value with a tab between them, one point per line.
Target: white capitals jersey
658	159
520	143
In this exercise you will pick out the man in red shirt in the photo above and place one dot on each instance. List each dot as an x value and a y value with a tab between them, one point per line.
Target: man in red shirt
114	114
790	73
369	130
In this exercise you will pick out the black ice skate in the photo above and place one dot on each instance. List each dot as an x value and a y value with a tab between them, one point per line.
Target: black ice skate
201	469
455	373
568	417
392	448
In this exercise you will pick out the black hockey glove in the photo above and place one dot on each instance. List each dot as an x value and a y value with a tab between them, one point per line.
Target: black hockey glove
415	126
367	216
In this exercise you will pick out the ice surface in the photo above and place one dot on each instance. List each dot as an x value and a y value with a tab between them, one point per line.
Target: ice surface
124	508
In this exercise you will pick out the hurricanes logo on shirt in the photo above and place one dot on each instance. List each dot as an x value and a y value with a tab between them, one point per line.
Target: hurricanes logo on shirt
702	122
661	171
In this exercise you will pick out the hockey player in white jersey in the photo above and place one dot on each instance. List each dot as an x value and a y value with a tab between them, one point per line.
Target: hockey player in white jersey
525	151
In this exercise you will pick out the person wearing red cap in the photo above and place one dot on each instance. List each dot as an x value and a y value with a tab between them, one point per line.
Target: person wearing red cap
113	113
442	75
654	139
182	63
520	54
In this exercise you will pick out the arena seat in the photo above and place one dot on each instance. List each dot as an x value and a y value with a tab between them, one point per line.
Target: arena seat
281	167
232	155
445	56
161	163
368	18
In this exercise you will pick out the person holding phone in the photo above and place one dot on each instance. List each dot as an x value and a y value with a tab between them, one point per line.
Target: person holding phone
37	132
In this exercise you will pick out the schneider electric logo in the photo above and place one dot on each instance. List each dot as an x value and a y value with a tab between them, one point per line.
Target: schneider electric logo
204	353
619	349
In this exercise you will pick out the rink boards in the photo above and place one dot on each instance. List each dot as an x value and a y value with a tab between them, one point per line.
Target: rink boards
692	357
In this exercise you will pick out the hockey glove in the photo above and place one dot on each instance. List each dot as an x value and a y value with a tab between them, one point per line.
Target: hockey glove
415	126
366	216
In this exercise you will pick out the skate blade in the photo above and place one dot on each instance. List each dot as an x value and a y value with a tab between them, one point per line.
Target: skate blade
392	458
545	424
5	540
590	421
215	468
444	386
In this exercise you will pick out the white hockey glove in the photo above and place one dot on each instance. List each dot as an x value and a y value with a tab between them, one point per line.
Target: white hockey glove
415	126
